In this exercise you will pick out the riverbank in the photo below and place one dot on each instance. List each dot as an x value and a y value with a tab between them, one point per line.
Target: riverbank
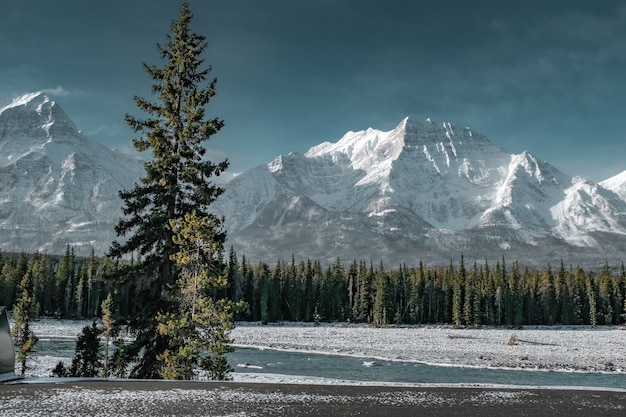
129	398
559	348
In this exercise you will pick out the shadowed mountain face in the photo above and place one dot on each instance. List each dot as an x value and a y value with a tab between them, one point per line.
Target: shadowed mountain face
422	191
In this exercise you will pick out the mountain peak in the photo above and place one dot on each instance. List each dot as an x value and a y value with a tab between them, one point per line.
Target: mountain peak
423	187
35	116
57	186
34	99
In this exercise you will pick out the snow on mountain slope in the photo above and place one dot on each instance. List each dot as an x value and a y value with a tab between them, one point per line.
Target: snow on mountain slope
254	191
524	198
586	208
617	184
422	190
57	187
445	174
422	187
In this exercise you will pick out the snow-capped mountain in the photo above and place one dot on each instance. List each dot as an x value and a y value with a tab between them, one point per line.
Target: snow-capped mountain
57	187
423	190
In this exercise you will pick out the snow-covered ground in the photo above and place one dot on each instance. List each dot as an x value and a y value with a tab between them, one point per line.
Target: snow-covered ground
553	348
547	348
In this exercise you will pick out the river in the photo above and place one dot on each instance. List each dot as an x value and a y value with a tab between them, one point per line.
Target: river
346	368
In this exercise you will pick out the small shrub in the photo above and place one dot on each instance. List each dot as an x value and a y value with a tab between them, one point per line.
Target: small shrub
61	370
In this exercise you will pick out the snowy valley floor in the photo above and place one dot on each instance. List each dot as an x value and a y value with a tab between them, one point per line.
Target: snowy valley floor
557	348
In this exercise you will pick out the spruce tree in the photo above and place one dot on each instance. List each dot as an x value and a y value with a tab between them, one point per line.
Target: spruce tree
23	336
198	330
87	361
177	182
380	309
457	295
64	280
108	330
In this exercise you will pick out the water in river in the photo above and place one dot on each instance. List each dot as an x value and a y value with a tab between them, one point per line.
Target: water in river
358	369
267	361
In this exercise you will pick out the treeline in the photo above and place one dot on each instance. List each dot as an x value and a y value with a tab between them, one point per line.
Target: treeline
477	295
474	295
63	286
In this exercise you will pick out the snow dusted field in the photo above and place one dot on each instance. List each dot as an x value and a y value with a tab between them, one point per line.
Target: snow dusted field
554	348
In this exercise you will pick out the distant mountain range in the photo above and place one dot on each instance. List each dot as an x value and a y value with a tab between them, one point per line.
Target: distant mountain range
422	191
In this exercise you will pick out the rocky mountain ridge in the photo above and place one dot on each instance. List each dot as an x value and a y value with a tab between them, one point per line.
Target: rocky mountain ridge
423	190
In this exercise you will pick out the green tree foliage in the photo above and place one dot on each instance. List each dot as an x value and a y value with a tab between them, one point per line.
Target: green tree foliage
204	299
361	304
24	311
198	329
458	280
109	330
177	183
382	298
64	284
480	295
297	291
87	361
13	269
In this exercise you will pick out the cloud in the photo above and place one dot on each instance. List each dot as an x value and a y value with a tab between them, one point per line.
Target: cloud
106	130
225	178
58	91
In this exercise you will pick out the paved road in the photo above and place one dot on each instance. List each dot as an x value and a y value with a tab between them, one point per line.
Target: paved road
165	398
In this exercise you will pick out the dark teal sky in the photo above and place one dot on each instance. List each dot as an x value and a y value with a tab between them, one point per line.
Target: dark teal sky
544	76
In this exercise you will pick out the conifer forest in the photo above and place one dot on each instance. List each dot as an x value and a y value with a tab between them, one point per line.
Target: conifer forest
490	293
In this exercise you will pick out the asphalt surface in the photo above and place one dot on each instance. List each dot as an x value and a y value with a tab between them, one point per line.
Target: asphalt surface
167	398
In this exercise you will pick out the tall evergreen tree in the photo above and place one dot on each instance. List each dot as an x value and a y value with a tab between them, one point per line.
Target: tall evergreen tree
310	292
177	182
65	274
380	309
